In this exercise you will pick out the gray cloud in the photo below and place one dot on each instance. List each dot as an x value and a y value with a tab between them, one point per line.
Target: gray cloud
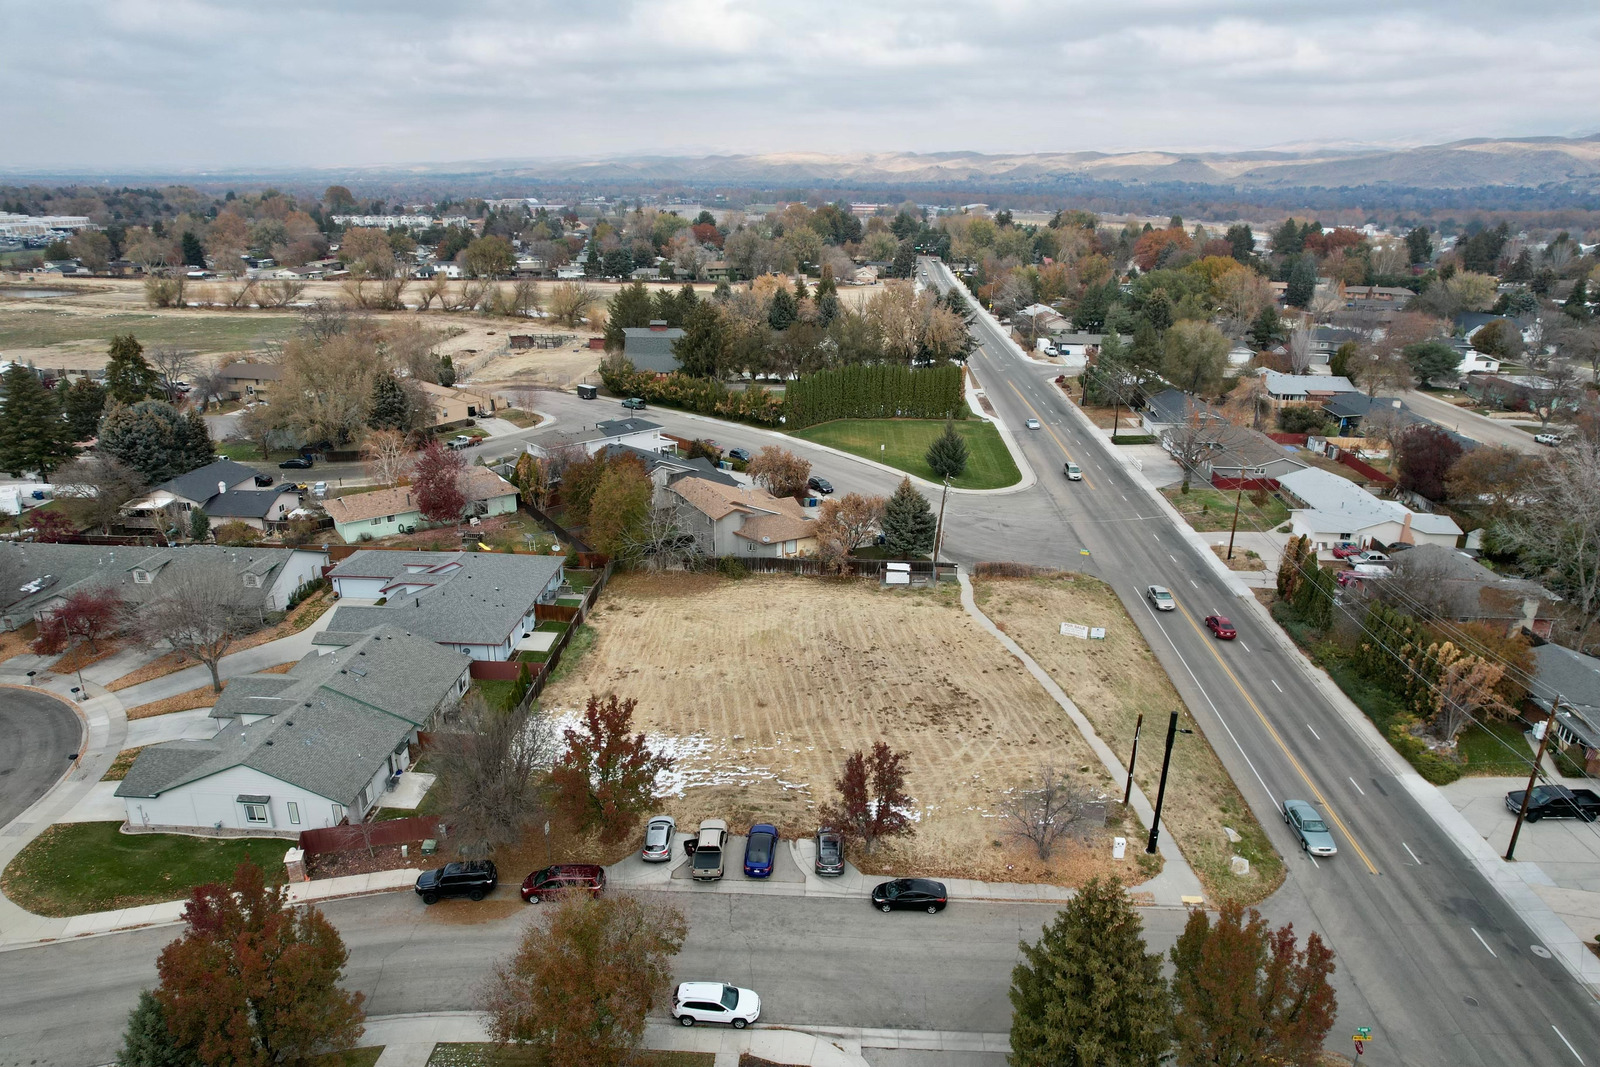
197	83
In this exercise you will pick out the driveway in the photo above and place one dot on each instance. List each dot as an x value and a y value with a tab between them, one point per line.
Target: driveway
41	732
1469	423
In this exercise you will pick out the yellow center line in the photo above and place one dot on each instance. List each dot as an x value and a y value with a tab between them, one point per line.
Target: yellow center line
1322	800
1048	430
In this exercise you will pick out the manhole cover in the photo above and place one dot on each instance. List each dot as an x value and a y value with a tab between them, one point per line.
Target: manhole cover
1472	1002
1540	951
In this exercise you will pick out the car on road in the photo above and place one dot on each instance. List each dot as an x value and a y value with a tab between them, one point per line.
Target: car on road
474	880
298	463
1161	598
634	403
1346	549
1221	627
706	862
1556	802
830	852
1032	424
564	878
760	849
819	485
658	839
319	490
1551	439
715	1002
460	441
1073	472
1308	826
740	454
263	480
910	894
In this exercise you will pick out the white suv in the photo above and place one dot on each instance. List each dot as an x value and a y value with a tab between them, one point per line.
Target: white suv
1551	439
715	1002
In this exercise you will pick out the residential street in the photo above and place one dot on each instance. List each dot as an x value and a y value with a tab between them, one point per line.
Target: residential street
1469	423
41	733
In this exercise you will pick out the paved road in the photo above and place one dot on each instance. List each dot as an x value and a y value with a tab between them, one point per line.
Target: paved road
38	733
825	961
1429	956
1469	423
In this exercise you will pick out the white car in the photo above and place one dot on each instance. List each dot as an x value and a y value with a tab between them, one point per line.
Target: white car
1032	424
715	1002
1551	439
319	490
1073	473
1368	557
658	839
1161	598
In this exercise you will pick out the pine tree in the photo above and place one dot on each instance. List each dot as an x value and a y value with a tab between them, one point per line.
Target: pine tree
948	453
1088	993
701	350
153	439
148	1043
391	408
908	523
629	309
199	525
783	312
447	372
83	402
1267	329
800	288
194	254
34	437
1577	304
195	436
1302	282
129	379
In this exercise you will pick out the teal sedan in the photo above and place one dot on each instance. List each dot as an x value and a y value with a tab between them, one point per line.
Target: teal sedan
1307	824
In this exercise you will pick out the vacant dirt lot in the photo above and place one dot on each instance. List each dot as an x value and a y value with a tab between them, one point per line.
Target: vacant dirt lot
1112	682
763	686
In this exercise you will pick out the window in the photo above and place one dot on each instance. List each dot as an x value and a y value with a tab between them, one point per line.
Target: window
294	813
141	577
252	581
387	518
255	813
376	522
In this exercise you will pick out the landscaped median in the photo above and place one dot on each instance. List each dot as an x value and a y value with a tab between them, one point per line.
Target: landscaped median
903	445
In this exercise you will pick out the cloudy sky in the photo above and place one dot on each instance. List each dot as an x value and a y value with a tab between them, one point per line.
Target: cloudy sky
105	84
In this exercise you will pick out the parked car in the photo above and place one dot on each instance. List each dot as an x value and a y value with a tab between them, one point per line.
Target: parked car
474	880
319	490
263	480
819	485
1556	802
658	839
1551	439
634	403
460	441
1369	556
830	852
1345	549
298	463
1161	598
564	878
915	894
760	849
1032	424
1072	471
1221	627
706	865
1308	826
740	454
715	1002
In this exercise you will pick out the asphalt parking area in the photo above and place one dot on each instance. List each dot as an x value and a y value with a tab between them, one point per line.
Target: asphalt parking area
41	733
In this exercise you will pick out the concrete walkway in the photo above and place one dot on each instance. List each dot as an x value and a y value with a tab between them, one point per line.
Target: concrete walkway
283	650
497	427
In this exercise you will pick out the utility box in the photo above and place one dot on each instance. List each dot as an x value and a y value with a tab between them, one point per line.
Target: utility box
294	865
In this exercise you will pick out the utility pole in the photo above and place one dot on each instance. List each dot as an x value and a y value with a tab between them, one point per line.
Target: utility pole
938	530
1161	790
1533	773
1132	758
1235	528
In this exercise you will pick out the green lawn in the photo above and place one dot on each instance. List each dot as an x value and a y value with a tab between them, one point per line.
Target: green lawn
219	331
465	1054
363	1056
905	444
1496	748
76	868
1208	510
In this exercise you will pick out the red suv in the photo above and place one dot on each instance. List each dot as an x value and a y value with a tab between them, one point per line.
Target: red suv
564	878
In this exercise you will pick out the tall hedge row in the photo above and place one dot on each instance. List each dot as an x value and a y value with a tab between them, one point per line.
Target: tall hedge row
874	391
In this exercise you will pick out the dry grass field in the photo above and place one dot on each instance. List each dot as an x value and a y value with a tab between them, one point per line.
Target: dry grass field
1112	682
761	687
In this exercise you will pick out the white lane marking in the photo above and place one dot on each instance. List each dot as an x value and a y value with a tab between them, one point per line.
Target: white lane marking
1363	792
1172	557
1244	646
1156	536
1275	684
1413	855
1567	1043
1492	952
1313	860
1314	732
1124	498
1191	582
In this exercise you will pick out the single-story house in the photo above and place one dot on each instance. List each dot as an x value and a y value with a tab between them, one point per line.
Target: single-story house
1330	509
1286	390
253	381
1574	679
302	750
650	347
456	404
641	434
1171	408
741	520
1454	585
664	468
51	573
226	491
1240	452
365	516
1326	340
1473	361
478	603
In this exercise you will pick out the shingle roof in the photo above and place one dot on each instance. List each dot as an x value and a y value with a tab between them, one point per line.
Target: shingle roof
477	484
715	500
649	349
1571	675
201	485
1301	384
699	467
474	598
261	372
243	504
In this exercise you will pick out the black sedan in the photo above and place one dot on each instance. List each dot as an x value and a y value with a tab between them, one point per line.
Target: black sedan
830	852
914	894
298	463
472	880
740	454
819	485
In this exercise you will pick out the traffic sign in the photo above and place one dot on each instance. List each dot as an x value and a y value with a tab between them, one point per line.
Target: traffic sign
1363	1033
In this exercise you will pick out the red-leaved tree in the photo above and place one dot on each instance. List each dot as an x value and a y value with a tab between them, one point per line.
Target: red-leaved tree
607	775
437	482
872	799
52	527
254	982
86	615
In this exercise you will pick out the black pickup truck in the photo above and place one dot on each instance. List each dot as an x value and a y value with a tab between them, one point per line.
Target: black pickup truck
1557	802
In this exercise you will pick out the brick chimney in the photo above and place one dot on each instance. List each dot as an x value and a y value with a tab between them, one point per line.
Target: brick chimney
658	324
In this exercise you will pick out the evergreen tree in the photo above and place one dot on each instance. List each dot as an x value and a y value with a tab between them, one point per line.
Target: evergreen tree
1147	351
908	523
199	525
194	254
826	286
83	402
591	264
827	308
34	437
148	1043
1090	314
129	379
948	453
447	372
800	288
1088	994
1339	364
1302	282
701	351
783	311
1158	311
1242	242
629	309
1267	329
155	440
1419	244
723	292
1577	305
391	408
195	435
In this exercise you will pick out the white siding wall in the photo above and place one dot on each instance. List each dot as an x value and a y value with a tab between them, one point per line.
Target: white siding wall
302	567
360	588
212	800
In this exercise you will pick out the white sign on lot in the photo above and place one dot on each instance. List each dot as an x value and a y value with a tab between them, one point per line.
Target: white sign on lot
1075	629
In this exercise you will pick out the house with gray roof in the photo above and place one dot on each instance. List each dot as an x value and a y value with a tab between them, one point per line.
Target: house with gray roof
650	347
1451	584
302	750
1567	685
226	491
1285	390
479	603
638	433
1330	509
40	577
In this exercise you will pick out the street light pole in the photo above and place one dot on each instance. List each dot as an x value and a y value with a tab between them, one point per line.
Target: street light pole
1161	790
1533	774
1132	758
1237	500
938	532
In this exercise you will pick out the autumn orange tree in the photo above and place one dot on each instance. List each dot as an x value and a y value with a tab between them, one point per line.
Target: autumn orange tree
872	800
578	990
779	471
1247	994
846	523
253	982
606	777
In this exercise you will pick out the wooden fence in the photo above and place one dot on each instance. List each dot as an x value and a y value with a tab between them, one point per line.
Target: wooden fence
567	536
539	673
858	568
388	832
1250	484
1366	470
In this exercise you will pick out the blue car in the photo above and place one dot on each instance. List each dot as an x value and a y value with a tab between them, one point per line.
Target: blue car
759	850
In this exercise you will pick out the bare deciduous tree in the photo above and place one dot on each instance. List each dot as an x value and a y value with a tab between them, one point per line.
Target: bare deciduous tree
780	471
93	488
1050	807
492	767
570	302
281	293
387	457
200	611
172	365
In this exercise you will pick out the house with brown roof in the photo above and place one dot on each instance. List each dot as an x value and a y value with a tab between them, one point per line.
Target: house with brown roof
454	404
368	516
740	520
250	381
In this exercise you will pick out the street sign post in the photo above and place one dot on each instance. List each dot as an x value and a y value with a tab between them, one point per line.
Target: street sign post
1362	1035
